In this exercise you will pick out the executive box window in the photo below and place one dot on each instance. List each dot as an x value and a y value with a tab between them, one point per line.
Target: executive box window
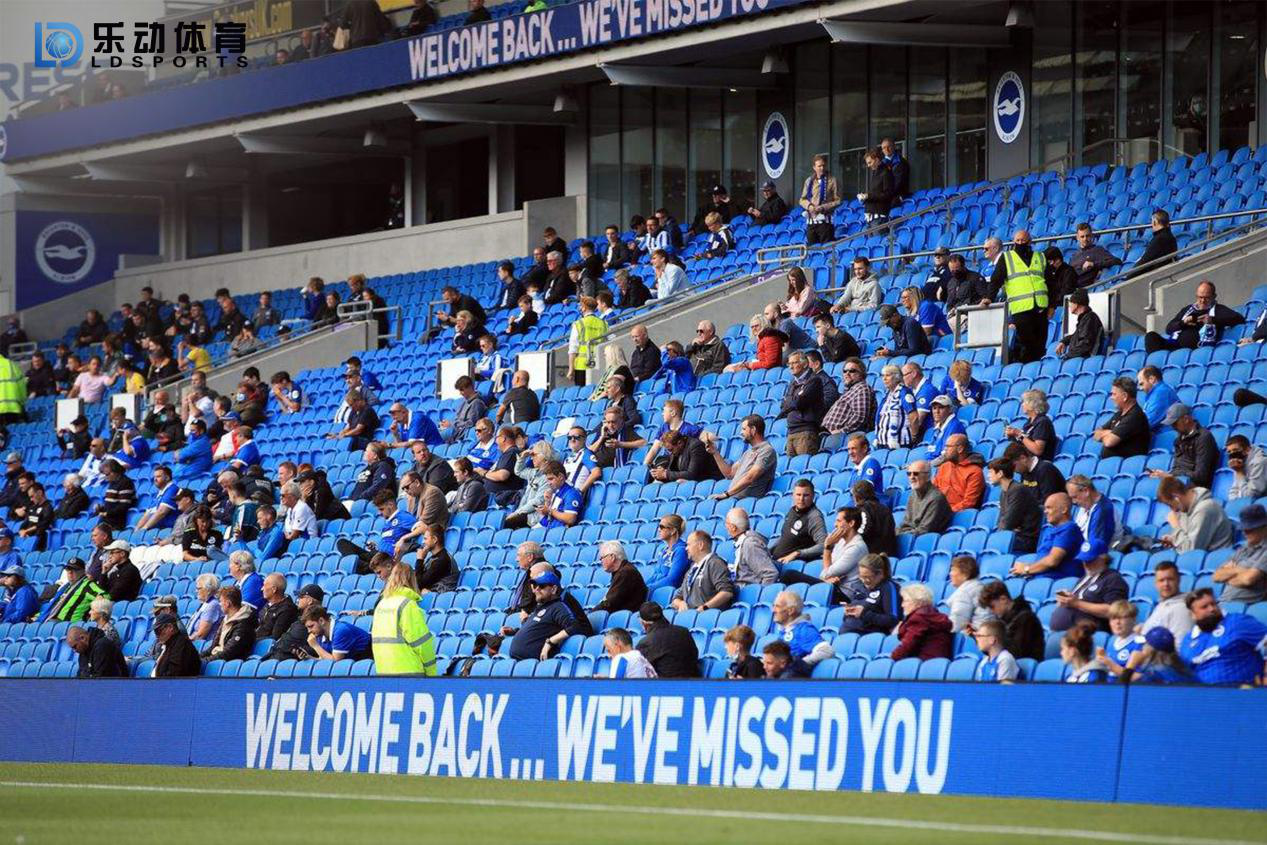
215	222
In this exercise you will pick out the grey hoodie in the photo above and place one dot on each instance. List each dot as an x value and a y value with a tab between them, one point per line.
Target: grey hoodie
861	294
1204	526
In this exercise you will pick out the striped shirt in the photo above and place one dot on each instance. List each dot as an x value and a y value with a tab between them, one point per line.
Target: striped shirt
891	428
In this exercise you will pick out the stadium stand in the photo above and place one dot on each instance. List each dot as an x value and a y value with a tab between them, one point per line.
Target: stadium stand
621	506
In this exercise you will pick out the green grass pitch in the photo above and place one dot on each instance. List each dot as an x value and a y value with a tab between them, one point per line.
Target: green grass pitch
57	803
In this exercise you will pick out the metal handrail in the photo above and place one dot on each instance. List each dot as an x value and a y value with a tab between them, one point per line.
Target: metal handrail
802	251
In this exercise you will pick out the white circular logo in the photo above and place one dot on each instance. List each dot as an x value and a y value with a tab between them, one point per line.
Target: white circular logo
64	252
775	143
1009	107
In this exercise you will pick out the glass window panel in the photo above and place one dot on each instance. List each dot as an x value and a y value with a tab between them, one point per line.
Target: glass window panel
670	151
1238	72
636	151
888	97
849	115
968	107
604	158
1139	79
740	140
810	126
1096	67
928	107
1189	48
706	142
1051	81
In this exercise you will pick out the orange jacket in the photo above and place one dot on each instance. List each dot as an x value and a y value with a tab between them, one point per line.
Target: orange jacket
963	484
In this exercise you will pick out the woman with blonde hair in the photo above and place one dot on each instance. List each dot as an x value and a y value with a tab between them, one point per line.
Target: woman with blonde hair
769	340
614	362
402	642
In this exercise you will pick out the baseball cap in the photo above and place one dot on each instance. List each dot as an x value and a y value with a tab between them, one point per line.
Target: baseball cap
165	601
75	563
231	416
1174	412
79	420
1161	639
719	189
886	313
119	546
1253	517
941	250
768	185
546	579
165	619
1090	550
186	493
312	591
14	569
943	400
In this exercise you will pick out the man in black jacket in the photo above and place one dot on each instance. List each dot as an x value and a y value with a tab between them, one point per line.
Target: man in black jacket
1161	245
1199	324
615	254
119	575
1196	454
773	207
456	302
177	657
433	469
279	612
670	649
1060	277
644	361
720	203
99	656
803	407
292	644
689	460
1087	337
1022	632
633	292
963	286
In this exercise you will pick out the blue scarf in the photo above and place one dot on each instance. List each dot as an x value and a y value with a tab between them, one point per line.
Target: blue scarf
822	190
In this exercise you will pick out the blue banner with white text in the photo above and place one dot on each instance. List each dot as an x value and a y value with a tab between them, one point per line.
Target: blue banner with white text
1032	741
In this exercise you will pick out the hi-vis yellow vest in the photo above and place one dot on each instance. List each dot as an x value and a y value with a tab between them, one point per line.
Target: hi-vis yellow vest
402	643
1025	288
589	331
12	387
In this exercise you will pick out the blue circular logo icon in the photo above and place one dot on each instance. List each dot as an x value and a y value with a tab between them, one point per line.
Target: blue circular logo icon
64	252
775	144
59	44
1009	107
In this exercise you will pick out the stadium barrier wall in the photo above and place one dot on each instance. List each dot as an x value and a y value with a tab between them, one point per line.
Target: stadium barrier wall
1186	746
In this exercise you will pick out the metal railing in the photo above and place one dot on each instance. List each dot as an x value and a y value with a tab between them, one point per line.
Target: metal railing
796	253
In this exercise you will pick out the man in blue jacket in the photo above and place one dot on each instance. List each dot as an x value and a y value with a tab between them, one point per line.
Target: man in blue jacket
909	337
20	600
195	458
379	473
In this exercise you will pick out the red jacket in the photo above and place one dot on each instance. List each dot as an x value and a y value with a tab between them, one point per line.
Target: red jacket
769	350
925	634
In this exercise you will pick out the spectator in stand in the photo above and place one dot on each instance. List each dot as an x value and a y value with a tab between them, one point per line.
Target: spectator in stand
841	552
231	319
410	427
1022	632
873	602
466	334
75	440
469	496
362	422
898	167
434	569
176	657
835	343
881	193
769	341
552	242
119	498
803	407
523	320
960	386
1158	396
1019	273
1197	519
91	384
582	470
964	287
433	469
13	334
1245	573
819	197
1018	507
997	664
773	208
707	353
1170	612
753	474
163	513
930	316
119	576
720	239
551	622
795	629
739	641
753	563
484	452
40	380
500	479
960	477
627	590
521	401
1249	468
511	289
924	392
1058	543
778	662
856	410
1092	598
945	425
1090	258
1196	325
1060	278
559	284
279	611
379	473
625	661
719	204
1038	435
20	599
801	299
266	314
925	632
1088	336
74	500
644	360
896	418
1196	455
455	303
563	507
202	541
615	254
300	521
1077	650
927	511
633	292
333	640
270	541
862	291
908	334
1162	245
92	330
365	22
688	460
670	279
1093	512
964	608
1223	648
804	529
99	655
672	561
90	470
468	413
675	370
1127	433
288	395
669	648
